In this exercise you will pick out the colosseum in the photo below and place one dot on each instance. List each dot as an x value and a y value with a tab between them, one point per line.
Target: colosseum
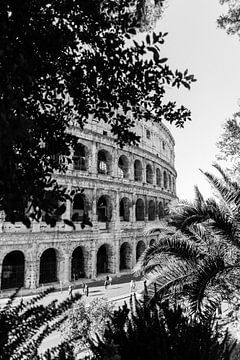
125	193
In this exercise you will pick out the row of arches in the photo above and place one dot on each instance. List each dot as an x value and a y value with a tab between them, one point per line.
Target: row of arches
104	209
104	166
13	266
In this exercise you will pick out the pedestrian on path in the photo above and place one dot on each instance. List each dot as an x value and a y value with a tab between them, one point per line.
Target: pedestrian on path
132	286
106	284
110	280
86	290
70	290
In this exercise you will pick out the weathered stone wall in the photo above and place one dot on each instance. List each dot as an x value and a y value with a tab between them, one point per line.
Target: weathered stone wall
112	233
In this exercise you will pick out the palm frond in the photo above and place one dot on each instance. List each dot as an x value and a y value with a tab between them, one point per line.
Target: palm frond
232	184
198	196
174	274
205	273
176	245
230	196
222	223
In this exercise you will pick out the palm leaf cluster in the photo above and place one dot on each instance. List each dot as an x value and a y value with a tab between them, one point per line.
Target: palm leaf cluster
196	258
25	324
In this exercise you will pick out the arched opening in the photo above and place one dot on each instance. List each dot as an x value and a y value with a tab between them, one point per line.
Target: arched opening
125	256
173	184
151	210
48	266
13	270
170	182
104	162
139	210
79	207
140	249
80	157
124	209
103	260
123	167
137	170
149	174
160	210
158	177
165	180
77	268
104	209
152	242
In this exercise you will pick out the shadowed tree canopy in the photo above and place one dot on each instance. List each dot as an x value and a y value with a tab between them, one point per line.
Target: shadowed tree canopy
230	21
60	63
229	145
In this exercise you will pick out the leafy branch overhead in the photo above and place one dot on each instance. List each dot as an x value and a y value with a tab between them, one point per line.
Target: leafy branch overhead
60	65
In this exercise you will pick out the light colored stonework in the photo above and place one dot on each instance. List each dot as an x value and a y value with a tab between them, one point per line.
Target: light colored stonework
157	151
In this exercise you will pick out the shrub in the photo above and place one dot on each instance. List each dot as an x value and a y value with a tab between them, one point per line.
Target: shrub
161	332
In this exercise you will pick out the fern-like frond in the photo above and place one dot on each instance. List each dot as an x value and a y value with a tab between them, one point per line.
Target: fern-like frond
205	272
199	200
177	246
174	274
232	184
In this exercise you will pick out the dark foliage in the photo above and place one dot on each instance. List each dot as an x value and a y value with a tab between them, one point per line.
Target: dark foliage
161	332
24	326
60	63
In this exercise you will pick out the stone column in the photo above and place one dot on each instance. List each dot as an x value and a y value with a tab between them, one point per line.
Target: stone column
65	268
117	255
116	217
93	158
133	208
93	258
94	209
30	278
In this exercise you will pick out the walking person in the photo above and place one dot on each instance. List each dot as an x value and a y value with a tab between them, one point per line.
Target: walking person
110	280
132	286
106	284
86	290
70	290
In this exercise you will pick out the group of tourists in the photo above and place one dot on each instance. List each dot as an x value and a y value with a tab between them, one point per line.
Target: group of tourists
107	282
85	290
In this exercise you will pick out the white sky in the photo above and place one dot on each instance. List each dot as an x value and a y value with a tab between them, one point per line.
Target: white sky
195	42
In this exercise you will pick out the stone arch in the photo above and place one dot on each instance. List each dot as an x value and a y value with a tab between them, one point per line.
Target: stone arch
103	259
149	174
165	179
104	164
13	268
48	266
123	166
158	177
152	242
140	249
137	170
160	210
169	182
125	256
140	210
151	210
80	157
79	207
124	209
104	209
173	184
78	264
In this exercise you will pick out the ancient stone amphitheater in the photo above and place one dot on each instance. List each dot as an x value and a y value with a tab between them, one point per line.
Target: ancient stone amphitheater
126	192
